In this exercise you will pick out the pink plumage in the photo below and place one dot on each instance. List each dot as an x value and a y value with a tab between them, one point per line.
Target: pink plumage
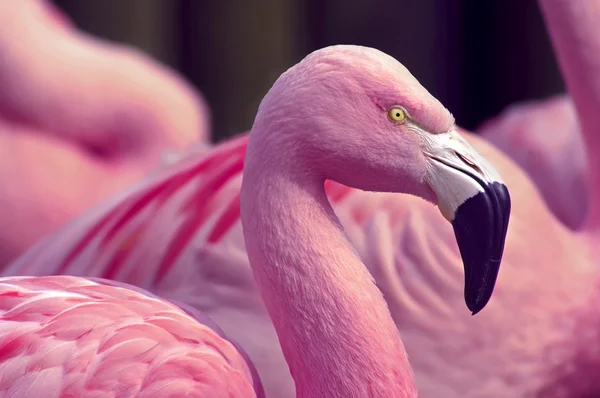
78	113
65	337
539	312
416	267
545	139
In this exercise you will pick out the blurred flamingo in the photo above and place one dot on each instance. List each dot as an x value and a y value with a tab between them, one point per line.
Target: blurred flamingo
335	329
544	138
80	119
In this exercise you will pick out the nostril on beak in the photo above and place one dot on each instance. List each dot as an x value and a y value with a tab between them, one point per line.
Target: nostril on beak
468	162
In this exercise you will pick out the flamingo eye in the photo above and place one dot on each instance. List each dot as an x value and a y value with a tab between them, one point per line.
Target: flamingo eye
397	114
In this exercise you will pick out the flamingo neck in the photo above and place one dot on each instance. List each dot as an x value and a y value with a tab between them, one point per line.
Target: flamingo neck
334	326
573	28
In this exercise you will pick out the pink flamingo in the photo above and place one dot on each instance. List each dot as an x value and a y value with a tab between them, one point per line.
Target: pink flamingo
78	113
544	138
351	114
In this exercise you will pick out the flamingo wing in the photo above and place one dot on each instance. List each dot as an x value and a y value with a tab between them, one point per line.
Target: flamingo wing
152	224
64	336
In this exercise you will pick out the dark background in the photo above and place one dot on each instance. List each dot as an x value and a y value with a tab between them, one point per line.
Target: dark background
475	56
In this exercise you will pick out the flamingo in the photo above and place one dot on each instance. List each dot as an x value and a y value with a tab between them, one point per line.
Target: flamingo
347	113
544	138
536	338
81	114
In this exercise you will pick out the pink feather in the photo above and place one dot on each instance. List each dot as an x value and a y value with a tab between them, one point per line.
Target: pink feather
65	337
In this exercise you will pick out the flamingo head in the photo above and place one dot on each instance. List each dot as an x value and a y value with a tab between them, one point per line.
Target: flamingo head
357	116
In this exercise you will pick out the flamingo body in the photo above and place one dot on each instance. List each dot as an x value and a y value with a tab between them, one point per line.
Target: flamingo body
64	337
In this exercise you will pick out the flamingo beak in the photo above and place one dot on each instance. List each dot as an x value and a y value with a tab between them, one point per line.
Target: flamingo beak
472	196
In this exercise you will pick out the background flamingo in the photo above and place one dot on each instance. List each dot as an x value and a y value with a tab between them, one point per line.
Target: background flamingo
544	138
336	331
80	119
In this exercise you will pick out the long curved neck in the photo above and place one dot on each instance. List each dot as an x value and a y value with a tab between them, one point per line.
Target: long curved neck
333	324
575	33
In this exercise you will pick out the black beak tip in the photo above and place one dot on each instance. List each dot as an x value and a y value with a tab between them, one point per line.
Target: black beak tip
480	226
476	306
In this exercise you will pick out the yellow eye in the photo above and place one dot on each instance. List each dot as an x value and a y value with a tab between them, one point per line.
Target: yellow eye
397	114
